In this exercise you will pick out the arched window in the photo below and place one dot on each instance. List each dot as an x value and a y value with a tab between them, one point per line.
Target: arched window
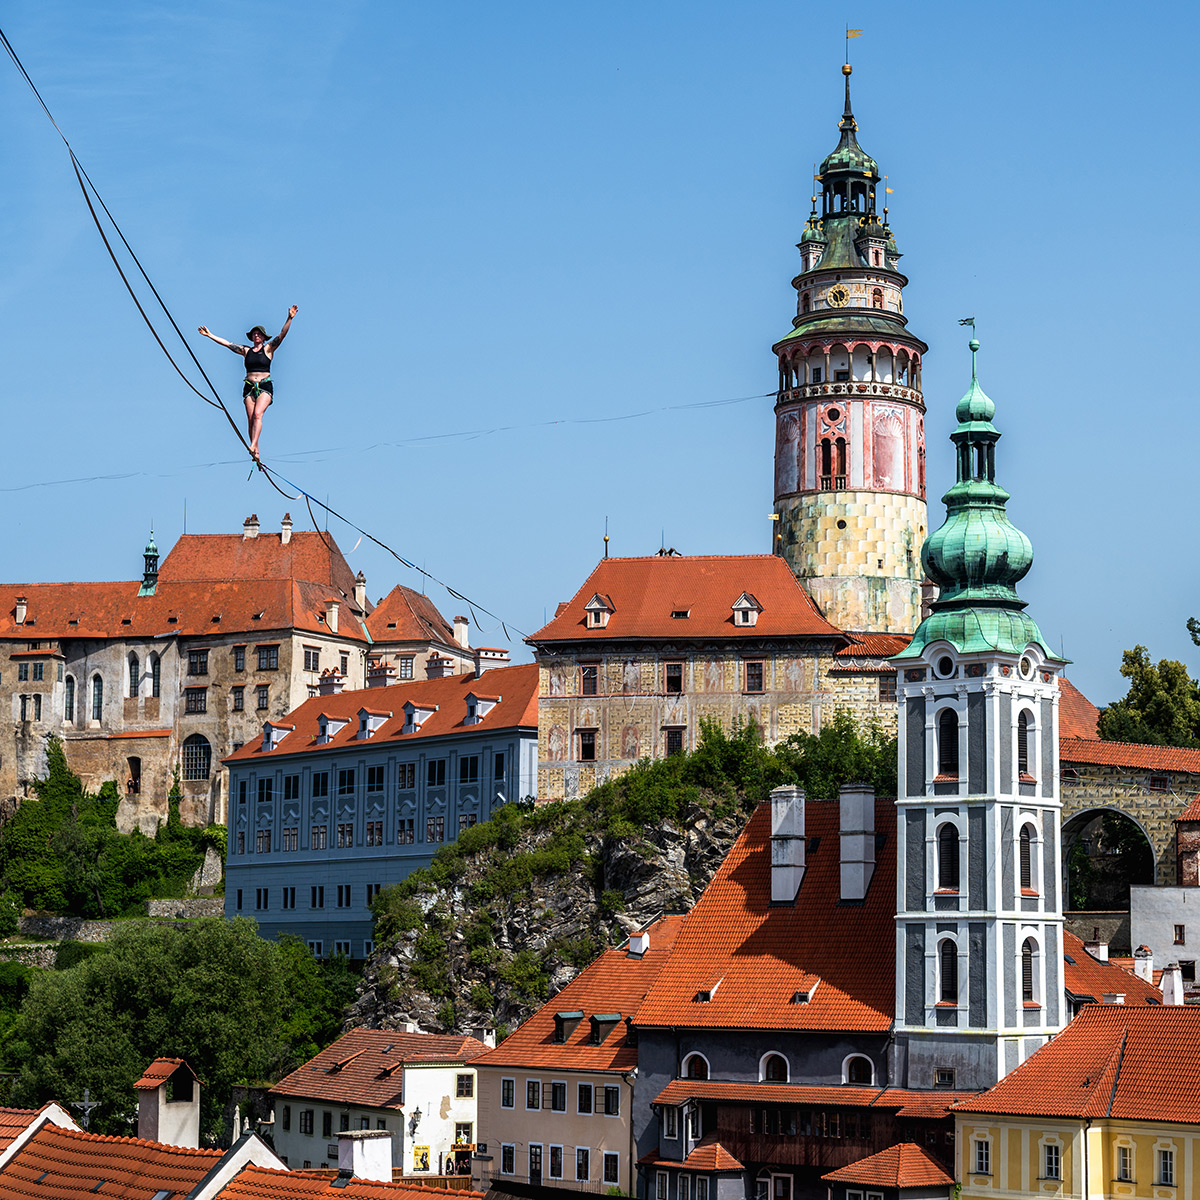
69	701
947	730
947	853
877	294
826	464
805	302
695	1067
876	260
839	481
1026	857
197	757
859	1070
97	697
1023	743
135	674
948	972
775	1069
155	675
1028	950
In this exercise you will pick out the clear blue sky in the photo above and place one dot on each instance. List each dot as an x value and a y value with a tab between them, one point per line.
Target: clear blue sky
519	217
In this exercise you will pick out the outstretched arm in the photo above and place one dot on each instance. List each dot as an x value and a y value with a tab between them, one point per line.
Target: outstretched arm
221	341
274	343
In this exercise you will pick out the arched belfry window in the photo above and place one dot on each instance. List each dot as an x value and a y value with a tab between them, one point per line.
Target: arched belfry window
1026	857
947	737
135	673
947	855
948	972
1028	953
1023	723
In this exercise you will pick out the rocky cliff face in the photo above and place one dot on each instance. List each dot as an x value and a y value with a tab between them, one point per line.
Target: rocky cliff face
484	940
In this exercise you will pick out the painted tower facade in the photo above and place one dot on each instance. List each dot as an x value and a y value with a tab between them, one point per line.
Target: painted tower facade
979	922
850	433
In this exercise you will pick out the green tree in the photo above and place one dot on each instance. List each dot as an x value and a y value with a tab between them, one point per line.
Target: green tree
1161	708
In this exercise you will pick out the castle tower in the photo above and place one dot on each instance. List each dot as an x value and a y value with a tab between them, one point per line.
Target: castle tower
850	434
979	948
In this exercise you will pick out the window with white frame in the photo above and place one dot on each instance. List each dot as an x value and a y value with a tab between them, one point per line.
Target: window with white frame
1166	1166
947	972
947	739
612	1167
583	1163
508	1089
1125	1164
660	1185
948	875
508	1159
670	1122
1051	1161
983	1156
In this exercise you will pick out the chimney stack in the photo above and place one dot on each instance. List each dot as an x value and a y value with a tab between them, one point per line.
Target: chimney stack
168	1095
857	802
1172	984
461	626
365	1154
639	943
1143	963
250	527
285	529
331	616
22	609
360	592
1113	997
787	843
1096	948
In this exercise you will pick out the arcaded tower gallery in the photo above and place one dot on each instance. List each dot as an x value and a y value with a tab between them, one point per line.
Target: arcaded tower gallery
850	432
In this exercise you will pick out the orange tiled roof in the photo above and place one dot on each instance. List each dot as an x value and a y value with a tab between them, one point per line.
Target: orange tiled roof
875	645
1132	1062
265	1183
404	615
160	1070
709	1155
1192	812
615	983
365	1066
517	685
1088	976
645	591
927	1105
14	1122
1129	754
903	1166
1077	715
761	955
68	1164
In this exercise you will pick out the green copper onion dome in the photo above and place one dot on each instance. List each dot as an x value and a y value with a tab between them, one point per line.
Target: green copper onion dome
978	556
812	232
848	155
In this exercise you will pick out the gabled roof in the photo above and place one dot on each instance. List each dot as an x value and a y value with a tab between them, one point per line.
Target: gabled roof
1077	715
1132	1062
1086	977
615	983
645	591
709	1155
875	645
761	955
903	1166
518	687
1192	812
160	1070
264	1183
366	1066
1129	754
67	1164
15	1121
404	615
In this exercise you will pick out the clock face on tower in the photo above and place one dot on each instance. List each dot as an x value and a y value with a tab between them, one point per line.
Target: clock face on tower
839	296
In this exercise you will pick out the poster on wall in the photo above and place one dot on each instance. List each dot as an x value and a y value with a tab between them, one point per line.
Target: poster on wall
420	1158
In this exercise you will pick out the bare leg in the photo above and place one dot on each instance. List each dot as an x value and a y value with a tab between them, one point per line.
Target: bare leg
249	402
261	403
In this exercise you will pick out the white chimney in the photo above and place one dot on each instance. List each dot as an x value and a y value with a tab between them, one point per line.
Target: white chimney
365	1154
857	802
360	591
285	529
1113	997
22	609
639	943
331	616
331	682
787	843
1143	963
250	527
1172	984
481	1033
461	626
1097	949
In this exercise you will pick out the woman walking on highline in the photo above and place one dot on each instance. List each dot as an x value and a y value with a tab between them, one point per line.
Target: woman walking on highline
258	391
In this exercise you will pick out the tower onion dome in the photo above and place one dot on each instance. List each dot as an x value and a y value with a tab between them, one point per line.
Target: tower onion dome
978	556
812	232
849	155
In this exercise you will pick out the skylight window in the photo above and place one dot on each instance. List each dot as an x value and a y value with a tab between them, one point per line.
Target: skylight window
680	614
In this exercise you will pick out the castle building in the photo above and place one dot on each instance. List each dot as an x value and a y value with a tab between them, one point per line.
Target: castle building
850	438
979	925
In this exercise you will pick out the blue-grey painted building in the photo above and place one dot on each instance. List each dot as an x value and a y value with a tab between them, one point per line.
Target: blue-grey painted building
353	791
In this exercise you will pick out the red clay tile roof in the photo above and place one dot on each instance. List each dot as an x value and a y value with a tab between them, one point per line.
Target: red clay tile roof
263	1183
1132	1062
518	709
359	1068
615	983
1129	754
14	1122
763	954
645	591
932	1105
1088	976
875	645
1077	715
1192	812
404	615
73	1163
903	1166
160	1070
709	1155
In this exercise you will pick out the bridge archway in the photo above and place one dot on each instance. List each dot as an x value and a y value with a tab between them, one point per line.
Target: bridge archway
1104	851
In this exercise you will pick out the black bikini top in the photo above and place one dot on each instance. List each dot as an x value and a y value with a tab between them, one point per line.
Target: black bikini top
257	360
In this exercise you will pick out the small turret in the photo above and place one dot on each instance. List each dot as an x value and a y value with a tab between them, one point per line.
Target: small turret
150	570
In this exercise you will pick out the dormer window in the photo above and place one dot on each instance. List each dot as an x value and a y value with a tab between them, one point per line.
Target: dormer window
274	734
370	721
415	715
598	609
328	728
745	610
565	1024
478	707
602	1025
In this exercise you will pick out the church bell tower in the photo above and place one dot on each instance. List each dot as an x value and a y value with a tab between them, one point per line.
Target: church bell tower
850	433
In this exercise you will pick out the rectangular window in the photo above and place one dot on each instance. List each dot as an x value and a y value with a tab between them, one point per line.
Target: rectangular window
343	895
316	949
243	788
345	665
306	1121
195	700
1166	1168
435	829
701	1187
507	1089
464	1085
291	787
262	898
406	666
373	890
37	706
1180	935
660	1185
1051	1162
508	1160
435	772
345	786
983	1158
498	765
671	1122
674	742
584	1102
24	708
318	897
589	679
39	673
327	1125
533	1093
268	658
291	838
1125	1164
289	897
262	841
556	1162
374	833
320	837
23	672
466	820
612	1167
674	678
345	835
312	658
1159	783
887	689
406	777
583	1163
405	831
265	788
197	662
239	658
587	745
320	784
239	698
754	677
462	1133
241	837
558	1096
241	843
287	1117
468	768
612	1101
683	1190
263	696
375	779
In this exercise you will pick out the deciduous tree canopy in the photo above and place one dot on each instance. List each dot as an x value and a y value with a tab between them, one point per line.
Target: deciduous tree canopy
1162	706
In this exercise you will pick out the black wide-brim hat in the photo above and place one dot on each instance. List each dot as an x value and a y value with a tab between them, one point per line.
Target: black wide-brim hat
258	329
